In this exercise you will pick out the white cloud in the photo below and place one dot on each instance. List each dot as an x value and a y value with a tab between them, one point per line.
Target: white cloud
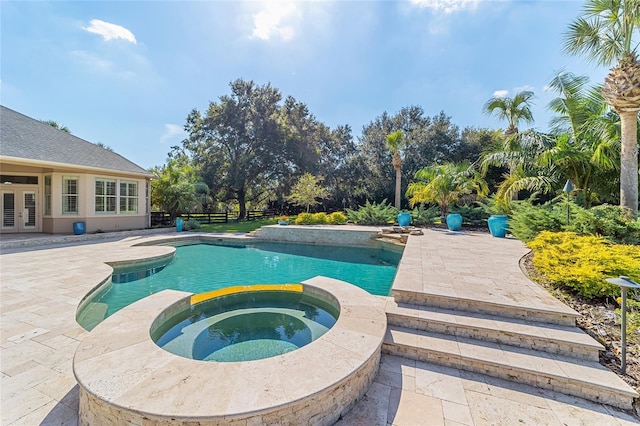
276	19
171	131
110	31
447	6
500	93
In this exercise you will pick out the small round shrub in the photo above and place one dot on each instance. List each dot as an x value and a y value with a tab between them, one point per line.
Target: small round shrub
319	218
304	219
337	218
311	219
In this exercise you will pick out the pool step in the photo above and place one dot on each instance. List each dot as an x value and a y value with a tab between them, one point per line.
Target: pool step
565	317
552	338
581	378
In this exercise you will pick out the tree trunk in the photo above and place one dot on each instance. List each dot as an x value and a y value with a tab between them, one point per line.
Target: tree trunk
398	187
242	202
629	162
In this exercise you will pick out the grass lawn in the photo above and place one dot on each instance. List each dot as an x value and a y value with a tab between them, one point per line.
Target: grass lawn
242	226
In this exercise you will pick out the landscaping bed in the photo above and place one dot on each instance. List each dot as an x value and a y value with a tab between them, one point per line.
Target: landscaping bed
598	319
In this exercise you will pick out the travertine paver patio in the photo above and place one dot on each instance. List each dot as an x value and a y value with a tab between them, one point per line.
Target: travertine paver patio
42	287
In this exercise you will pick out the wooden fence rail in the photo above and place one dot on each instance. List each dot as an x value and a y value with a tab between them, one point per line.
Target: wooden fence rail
164	219
260	214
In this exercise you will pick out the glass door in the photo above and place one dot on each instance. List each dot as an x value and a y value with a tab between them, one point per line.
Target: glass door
28	222
8	211
19	211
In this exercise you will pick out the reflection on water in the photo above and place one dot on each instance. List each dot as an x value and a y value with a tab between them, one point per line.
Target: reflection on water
257	326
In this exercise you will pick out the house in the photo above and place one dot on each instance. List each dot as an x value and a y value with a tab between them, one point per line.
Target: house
54	182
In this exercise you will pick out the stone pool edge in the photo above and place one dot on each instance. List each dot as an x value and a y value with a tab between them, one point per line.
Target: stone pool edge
124	376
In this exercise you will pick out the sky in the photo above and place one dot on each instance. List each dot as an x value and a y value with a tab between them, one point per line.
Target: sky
127	74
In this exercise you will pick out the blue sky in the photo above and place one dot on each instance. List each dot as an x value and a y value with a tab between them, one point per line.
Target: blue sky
127	74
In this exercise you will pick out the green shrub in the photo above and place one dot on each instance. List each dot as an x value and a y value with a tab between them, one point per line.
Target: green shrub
608	221
424	217
191	224
311	219
582	263
474	216
373	214
318	218
337	218
527	220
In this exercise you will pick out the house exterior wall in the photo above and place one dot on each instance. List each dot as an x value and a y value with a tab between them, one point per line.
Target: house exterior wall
59	222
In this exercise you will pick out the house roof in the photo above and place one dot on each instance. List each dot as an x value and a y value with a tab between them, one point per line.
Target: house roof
27	138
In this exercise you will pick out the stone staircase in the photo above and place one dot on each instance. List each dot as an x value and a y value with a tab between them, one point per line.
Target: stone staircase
541	348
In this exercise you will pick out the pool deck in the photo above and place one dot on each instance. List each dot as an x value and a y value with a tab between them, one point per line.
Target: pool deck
43	282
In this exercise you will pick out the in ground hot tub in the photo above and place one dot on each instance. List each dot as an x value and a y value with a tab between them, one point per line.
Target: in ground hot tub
124	376
246	323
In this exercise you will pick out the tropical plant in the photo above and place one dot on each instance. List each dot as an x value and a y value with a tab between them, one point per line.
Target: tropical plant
520	153
444	184
306	191
373	214
514	110
528	220
585	133
421	216
607	33
394	143
173	189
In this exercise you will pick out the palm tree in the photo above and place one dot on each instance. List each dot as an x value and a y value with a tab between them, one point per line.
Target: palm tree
520	153
444	184
605	34
513	110
583	151
394	143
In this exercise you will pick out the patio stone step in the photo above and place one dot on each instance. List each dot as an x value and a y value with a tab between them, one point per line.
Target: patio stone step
571	376
558	339
561	317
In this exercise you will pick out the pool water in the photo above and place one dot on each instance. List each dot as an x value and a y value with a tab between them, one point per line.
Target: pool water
198	268
246	326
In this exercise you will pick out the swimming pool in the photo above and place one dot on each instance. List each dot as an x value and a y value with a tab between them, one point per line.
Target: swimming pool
198	268
246	323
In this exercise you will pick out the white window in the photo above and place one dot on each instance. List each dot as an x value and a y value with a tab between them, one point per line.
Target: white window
128	197
69	195
47	195
106	196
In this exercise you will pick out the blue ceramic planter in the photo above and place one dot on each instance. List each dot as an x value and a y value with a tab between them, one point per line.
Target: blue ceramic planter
454	222
179	225
498	225
404	219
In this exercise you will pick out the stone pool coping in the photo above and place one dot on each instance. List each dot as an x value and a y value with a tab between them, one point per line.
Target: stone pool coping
124	376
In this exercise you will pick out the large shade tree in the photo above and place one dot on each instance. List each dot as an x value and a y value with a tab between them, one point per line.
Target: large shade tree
238	142
608	33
